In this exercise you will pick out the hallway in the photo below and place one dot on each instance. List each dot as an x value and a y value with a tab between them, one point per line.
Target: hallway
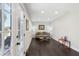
39	48
18	30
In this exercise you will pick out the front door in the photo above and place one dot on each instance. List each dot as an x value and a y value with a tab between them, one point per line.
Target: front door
21	37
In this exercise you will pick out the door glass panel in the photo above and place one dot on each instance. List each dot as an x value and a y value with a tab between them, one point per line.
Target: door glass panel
0	20
7	7
0	39
18	28
0	5
21	29
7	26
7	39
6	21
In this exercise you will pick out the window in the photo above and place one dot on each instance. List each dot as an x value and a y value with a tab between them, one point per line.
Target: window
0	20
0	40
7	26
7	37
7	7
6	20
0	26
0	5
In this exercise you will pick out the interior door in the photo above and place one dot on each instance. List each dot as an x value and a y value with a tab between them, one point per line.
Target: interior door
21	36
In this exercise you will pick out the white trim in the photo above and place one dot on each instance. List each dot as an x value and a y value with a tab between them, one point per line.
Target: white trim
12	41
2	47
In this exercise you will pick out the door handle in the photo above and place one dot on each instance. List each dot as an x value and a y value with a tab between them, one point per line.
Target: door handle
18	43
24	34
17	36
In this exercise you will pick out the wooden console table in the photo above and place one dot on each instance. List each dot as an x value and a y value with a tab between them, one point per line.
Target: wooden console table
65	43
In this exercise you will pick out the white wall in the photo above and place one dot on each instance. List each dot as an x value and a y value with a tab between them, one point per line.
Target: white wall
67	25
28	33
28	36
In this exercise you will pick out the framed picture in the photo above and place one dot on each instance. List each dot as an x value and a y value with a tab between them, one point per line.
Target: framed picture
27	25
41	27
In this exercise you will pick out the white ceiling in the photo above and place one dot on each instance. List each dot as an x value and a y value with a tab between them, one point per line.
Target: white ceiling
47	12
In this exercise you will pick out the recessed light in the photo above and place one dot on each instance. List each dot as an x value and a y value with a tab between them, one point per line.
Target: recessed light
56	12
42	11
48	18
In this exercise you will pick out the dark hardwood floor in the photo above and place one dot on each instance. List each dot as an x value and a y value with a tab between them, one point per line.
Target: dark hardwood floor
50	48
